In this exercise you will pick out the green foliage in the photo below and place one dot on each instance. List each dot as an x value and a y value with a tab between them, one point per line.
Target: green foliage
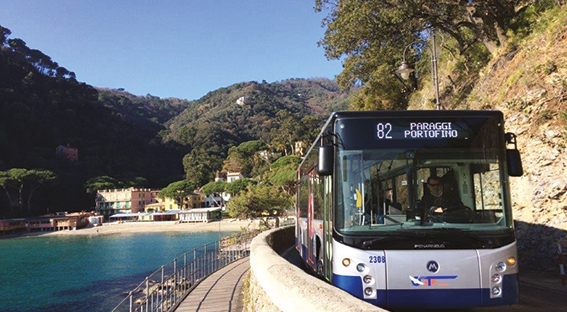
286	161
277	114
370	36
141	140
137	182
102	183
257	201
235	187
214	187
200	166
178	189
44	106
529	20
283	174
22	181
251	147
244	158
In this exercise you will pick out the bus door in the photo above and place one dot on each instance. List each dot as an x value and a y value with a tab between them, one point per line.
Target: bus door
310	220
328	227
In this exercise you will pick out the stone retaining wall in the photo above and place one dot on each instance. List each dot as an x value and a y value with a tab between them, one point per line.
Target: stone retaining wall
277	285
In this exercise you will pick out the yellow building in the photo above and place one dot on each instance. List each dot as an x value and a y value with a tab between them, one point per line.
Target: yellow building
194	200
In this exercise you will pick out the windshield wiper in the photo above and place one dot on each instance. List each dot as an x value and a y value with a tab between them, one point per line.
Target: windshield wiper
397	235
485	241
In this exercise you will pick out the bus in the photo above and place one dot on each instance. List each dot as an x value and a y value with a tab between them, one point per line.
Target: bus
362	220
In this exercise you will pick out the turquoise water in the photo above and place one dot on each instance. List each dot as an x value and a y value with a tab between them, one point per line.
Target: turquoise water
84	273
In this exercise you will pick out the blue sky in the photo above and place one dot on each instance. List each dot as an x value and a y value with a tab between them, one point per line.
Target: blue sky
174	48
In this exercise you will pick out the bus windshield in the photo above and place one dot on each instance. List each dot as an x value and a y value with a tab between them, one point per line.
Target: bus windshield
421	184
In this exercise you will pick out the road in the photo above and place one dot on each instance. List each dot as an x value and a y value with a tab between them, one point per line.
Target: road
532	297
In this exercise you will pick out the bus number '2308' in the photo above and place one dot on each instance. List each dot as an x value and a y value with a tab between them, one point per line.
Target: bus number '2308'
377	259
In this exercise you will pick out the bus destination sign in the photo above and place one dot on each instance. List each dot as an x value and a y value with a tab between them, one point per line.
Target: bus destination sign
401	130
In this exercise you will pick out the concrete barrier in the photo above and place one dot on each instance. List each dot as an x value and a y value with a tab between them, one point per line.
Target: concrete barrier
277	285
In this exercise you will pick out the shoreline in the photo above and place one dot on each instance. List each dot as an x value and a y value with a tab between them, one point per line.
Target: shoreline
138	227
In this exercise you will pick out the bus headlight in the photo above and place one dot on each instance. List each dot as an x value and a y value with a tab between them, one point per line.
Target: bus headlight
511	261
360	267
368	291
496	278
346	262
367	279
501	266
496	291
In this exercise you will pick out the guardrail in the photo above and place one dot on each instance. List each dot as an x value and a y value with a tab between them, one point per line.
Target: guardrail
164	289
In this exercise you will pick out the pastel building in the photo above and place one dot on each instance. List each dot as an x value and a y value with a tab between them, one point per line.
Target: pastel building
130	200
220	200
194	200
68	152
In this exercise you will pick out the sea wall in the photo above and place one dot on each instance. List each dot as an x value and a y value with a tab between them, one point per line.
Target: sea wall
278	285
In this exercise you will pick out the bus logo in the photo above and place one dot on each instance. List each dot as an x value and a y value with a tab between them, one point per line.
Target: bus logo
433	266
431	281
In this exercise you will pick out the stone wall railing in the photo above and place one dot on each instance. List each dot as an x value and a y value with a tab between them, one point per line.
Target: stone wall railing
278	285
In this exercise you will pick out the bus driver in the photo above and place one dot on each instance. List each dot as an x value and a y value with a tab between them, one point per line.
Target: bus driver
439	202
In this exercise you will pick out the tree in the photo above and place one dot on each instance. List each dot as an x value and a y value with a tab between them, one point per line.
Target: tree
258	201
214	187
243	158
4	34
37	178
178	190
6	181
283	174
18	178
19	175
102	183
200	166
138	182
235	187
371	35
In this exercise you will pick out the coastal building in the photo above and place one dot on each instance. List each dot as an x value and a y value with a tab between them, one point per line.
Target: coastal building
67	152
200	215
193	200
220	176
213	200
130	200
233	176
12	225
125	217
220	200
96	220
58	222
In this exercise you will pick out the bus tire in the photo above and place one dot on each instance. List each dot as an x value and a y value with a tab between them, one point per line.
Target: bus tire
320	259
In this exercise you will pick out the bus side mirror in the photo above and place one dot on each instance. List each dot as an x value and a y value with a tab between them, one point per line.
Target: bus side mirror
325	165
513	157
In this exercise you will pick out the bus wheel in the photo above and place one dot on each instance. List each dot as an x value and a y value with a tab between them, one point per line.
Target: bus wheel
320	263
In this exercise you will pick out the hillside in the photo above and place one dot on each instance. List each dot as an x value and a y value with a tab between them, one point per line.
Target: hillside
126	136
527	81
278	113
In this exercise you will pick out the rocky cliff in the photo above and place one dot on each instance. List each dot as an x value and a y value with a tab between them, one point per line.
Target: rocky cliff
528	83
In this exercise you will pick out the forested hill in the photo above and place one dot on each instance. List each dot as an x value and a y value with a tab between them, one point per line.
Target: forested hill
147	114
44	106
279	114
124	136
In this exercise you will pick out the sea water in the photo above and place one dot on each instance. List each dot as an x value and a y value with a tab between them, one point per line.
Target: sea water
84	273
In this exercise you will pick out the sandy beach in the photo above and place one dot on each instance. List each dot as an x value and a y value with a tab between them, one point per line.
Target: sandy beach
227	225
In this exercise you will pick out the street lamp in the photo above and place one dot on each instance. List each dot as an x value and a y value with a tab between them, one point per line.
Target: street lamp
406	69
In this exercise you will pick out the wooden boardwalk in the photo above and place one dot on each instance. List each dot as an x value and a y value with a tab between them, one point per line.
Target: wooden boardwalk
221	291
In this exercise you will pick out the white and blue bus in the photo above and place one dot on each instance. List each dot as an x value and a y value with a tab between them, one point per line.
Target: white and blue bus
366	222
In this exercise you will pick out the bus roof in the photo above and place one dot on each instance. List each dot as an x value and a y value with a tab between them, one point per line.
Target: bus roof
415	113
